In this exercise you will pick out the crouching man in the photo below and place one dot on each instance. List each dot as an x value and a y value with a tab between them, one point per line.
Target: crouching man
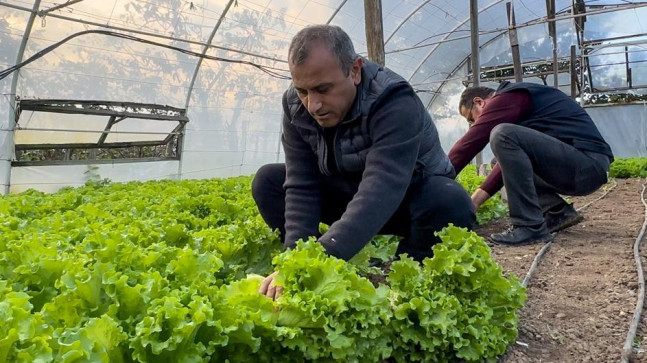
361	154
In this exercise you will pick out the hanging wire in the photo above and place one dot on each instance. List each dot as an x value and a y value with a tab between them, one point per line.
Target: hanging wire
527	8
272	71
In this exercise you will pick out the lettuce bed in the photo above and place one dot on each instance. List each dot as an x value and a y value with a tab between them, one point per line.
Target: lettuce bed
169	272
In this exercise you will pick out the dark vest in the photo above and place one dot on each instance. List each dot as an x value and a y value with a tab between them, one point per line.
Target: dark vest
352	140
557	115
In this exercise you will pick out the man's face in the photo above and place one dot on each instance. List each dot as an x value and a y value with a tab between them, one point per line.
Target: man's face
473	112
322	86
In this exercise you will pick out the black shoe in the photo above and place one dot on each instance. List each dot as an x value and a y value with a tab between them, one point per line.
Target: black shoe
519	235
563	218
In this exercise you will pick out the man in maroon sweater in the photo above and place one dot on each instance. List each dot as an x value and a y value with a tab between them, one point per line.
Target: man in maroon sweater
545	144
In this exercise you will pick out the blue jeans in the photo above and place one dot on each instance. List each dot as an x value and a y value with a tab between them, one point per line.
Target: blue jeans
430	204
537	168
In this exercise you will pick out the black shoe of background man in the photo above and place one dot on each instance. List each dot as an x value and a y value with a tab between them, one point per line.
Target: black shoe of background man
520	235
562	218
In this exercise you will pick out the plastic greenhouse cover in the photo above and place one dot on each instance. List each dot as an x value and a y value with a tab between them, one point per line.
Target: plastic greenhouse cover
624	127
234	109
106	68
52	178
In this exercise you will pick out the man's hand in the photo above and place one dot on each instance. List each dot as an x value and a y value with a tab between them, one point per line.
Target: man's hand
479	197
269	289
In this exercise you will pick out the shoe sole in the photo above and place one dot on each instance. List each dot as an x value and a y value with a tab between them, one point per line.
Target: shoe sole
526	243
567	223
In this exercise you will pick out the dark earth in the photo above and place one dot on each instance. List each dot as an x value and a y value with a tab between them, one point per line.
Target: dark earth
583	293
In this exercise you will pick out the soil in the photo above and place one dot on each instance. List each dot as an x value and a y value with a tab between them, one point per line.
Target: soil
583	293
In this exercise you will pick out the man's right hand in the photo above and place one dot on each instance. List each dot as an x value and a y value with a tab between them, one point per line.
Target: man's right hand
479	197
269	289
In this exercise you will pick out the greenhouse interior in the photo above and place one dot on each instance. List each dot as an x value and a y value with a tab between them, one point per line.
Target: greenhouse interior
130	131
185	90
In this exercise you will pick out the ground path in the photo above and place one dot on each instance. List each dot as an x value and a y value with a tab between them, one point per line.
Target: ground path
582	296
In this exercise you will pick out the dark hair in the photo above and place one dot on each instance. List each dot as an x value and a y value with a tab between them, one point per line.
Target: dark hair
467	97
337	40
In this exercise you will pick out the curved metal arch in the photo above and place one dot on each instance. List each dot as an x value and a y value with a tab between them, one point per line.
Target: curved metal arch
140	32
447	36
541	20
195	76
204	52
460	65
336	11
405	20
409	17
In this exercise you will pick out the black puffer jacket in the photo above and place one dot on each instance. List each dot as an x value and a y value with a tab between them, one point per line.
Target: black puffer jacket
387	137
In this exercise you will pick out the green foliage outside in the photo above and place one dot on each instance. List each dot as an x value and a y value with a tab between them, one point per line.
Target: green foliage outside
629	168
169	272
494	207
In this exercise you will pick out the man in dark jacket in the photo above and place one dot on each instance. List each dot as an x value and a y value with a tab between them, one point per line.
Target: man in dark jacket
545	145
361	154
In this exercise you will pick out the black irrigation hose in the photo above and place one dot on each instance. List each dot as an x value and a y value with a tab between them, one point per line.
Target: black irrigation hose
627	348
543	250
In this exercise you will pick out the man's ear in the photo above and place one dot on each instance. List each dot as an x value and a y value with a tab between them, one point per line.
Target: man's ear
477	100
356	70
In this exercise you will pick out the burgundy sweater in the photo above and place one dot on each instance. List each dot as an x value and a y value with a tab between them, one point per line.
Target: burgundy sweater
510	107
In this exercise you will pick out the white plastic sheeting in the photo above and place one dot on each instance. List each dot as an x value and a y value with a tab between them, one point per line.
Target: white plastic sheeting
235	109
624	127
54	177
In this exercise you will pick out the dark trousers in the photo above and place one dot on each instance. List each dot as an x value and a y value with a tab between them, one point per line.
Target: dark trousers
430	204
537	168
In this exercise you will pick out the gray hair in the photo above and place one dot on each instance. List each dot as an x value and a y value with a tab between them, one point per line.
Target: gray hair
337	40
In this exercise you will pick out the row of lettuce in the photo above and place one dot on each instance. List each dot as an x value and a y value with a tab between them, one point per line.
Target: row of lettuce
169	271
629	168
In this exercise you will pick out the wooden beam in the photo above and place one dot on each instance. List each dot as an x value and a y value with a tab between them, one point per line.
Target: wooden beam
628	69
374	31
573	73
552	32
476	62
585	64
514	43
474	30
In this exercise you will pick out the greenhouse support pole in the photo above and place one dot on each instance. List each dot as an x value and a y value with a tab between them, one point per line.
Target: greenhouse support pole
476	61
181	138
552	32
474	28
8	147
374	30
573	74
514	43
628	68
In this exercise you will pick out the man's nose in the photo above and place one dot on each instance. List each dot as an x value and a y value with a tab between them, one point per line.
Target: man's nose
314	103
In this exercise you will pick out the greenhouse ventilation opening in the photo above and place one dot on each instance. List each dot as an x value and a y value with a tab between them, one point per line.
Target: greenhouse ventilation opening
38	139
